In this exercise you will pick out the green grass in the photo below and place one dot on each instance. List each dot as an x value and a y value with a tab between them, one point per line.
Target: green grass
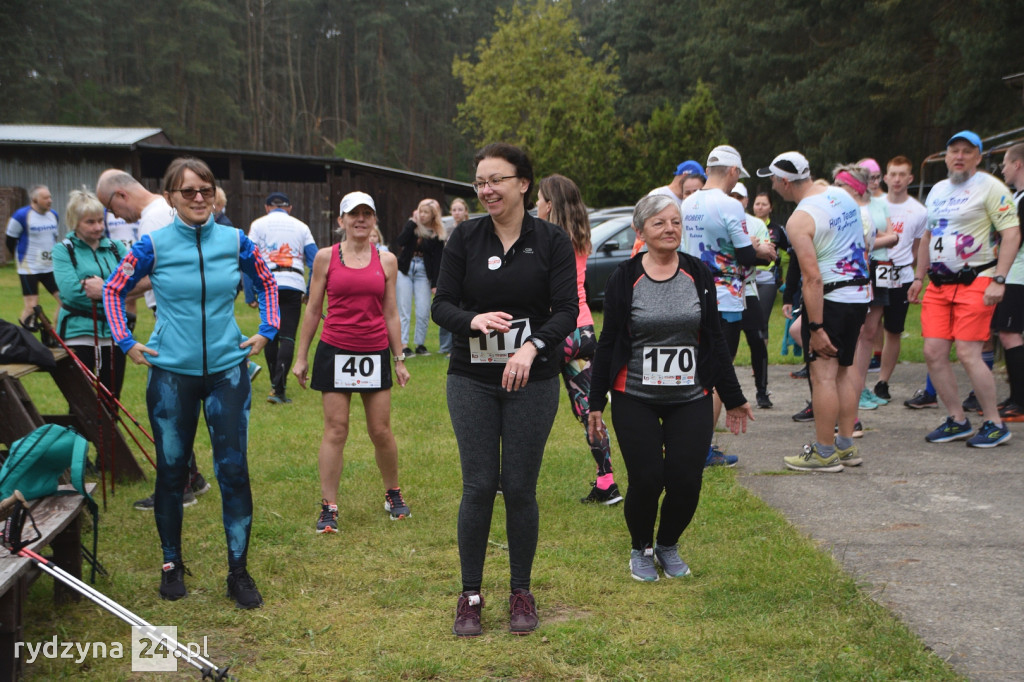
376	601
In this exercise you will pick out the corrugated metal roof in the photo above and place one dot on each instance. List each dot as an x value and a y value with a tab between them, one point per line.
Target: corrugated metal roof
74	135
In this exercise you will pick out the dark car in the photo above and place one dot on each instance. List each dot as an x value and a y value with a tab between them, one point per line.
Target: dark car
611	243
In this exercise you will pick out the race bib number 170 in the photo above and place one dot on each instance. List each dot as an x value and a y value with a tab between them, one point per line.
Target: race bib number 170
670	365
498	347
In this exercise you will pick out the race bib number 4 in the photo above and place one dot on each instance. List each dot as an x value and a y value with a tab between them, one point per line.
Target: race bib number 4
670	365
357	371
498	347
942	249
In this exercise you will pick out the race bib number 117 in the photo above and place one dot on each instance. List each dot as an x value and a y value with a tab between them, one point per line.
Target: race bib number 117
498	347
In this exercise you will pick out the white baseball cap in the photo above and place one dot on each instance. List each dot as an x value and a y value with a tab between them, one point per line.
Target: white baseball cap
724	155
740	189
353	199
788	166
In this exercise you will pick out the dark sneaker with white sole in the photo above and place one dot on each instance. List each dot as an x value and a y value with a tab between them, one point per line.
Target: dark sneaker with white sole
199	485
609	497
328	521
242	588
395	505
949	430
989	436
188	499
641	565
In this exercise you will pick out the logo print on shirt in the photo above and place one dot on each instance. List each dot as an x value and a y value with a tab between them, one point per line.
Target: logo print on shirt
528	250
493	263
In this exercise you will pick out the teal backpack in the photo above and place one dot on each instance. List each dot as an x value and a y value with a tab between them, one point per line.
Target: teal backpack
36	463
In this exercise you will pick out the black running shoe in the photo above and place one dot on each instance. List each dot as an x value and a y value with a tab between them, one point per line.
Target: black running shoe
805	415
172	581
328	521
395	505
921	400
609	497
882	390
971	404
199	485
242	588
763	402
800	373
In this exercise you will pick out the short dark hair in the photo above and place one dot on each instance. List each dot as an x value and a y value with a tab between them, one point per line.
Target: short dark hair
172	178
514	155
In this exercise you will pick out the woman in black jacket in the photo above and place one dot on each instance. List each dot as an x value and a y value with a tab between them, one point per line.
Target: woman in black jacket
420	244
507	290
661	353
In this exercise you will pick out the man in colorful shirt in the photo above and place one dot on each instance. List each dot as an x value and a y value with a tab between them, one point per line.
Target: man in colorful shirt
715	231
827	235
971	240
32	233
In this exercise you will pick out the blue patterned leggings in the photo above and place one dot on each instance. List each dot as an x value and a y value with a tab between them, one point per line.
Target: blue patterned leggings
174	400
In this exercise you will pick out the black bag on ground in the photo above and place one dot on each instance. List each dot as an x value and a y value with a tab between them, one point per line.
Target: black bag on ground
17	345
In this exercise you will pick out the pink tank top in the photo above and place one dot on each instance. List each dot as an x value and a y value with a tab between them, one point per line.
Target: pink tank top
584	318
355	305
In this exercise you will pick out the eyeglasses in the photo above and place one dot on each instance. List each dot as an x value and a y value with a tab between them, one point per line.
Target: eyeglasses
493	183
874	177
109	203
189	193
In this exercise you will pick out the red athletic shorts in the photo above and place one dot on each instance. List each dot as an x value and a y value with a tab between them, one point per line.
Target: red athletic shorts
957	312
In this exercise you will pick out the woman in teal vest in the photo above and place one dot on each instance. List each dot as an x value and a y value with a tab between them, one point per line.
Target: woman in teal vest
197	357
81	264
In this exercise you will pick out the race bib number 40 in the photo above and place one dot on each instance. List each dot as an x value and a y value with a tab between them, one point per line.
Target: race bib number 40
357	371
498	347
670	365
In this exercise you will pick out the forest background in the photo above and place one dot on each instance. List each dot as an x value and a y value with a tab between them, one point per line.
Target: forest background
612	93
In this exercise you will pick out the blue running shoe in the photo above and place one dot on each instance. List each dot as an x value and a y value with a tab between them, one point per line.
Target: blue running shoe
717	458
989	436
950	431
867	401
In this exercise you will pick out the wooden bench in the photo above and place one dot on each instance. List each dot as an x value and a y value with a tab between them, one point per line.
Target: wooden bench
59	519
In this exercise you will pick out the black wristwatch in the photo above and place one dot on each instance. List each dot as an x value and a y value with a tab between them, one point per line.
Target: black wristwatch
999	279
814	326
537	343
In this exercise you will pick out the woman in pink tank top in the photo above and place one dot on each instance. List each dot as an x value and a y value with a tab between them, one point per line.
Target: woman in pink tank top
361	331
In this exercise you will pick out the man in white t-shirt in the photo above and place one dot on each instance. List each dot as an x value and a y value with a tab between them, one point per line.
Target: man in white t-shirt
32	232
285	243
1008	320
715	231
969	244
908	218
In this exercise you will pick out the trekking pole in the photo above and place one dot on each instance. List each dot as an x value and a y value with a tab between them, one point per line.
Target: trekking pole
101	447
12	539
106	392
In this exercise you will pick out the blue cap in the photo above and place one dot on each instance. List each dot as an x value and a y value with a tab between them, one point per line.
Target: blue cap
690	167
278	199
969	136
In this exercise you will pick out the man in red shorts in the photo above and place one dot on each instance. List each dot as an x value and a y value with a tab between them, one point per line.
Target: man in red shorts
969	244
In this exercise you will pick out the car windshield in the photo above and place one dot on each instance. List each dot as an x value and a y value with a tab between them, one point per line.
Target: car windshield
618	227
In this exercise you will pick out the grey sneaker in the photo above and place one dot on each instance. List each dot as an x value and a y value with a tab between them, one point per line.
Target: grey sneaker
668	559
147	504
641	565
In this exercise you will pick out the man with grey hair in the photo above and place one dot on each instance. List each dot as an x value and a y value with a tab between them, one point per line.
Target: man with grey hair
715	231
827	236
32	232
970	242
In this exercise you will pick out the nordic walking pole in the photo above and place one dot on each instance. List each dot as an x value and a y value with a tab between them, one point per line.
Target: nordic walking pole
101	447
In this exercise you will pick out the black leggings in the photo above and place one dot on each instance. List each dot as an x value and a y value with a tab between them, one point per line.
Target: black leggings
500	433
87	354
281	350
664	448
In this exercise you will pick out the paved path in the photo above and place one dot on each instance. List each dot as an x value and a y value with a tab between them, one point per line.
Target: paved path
936	531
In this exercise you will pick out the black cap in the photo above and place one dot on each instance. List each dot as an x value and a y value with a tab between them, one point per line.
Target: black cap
278	199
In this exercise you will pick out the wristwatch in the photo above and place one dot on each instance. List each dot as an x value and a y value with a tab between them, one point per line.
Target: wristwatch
999	279
814	326
537	343
400	358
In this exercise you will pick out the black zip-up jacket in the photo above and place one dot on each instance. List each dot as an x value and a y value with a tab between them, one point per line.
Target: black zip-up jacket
714	365
408	244
535	279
